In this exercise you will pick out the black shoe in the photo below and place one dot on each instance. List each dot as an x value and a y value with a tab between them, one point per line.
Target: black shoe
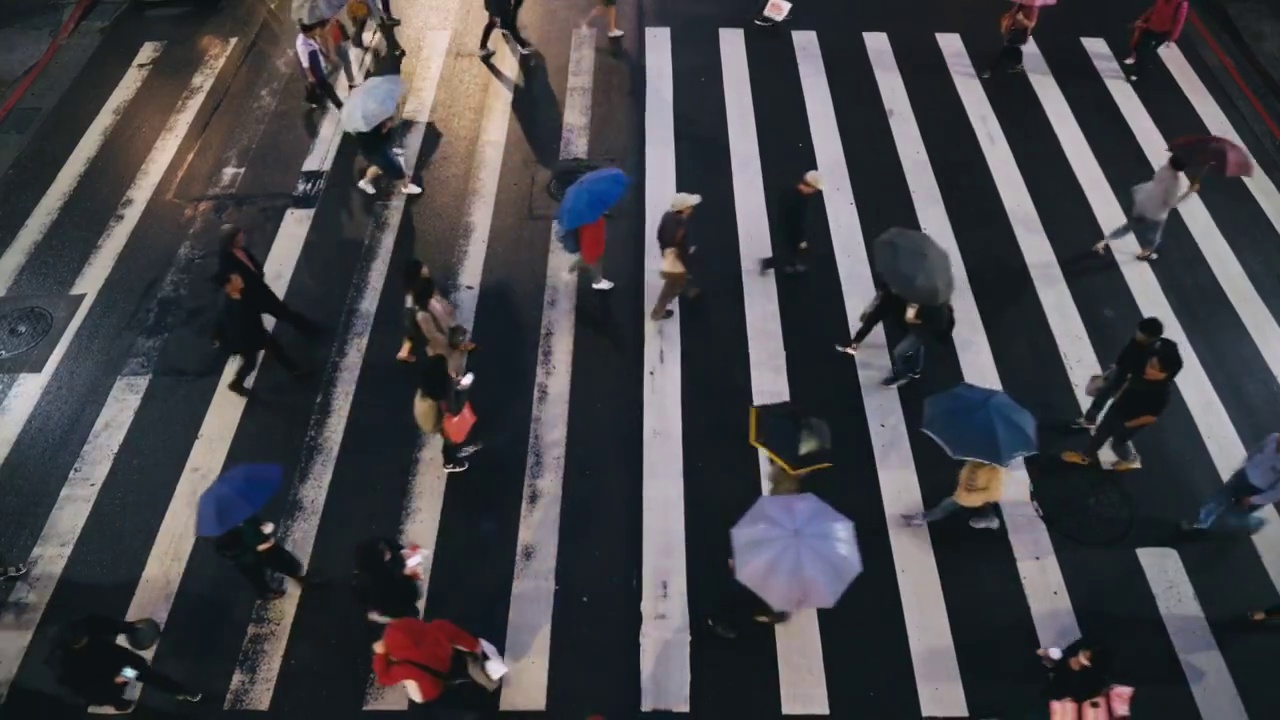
392	21
13	571
486	53
238	388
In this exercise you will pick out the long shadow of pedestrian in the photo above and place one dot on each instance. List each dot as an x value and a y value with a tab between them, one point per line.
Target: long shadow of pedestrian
538	112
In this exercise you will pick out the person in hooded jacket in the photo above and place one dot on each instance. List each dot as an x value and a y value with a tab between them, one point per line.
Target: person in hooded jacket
383	584
100	671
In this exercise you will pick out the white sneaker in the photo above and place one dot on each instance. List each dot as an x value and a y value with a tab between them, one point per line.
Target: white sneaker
367	185
914	519
1129	60
602	284
526	49
399	152
411	189
616	34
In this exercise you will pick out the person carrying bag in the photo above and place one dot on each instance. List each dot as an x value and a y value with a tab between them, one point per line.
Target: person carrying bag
440	406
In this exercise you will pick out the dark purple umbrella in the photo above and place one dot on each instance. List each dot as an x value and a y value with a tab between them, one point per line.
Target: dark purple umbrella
1205	151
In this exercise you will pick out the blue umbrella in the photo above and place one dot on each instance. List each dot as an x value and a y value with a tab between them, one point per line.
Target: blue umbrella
977	423
236	496
591	196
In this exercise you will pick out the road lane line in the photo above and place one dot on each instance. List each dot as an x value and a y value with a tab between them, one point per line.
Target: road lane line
801	673
1211	114
1223	441
664	594
27	389
425	500
1206	671
262	652
533	587
1042	580
77	163
933	654
175	539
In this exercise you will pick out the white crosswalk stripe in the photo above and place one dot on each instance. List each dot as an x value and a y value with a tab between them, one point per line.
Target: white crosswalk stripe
1051	597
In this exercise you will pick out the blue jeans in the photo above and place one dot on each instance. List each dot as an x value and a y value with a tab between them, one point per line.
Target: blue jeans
908	356
1222	511
949	505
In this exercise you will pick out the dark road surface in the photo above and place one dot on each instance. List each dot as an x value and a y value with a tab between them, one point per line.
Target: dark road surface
589	537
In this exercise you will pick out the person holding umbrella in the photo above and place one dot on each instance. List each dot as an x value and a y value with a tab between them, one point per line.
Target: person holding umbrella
1160	24
370	114
792	443
915	268
1152	201
582	211
228	512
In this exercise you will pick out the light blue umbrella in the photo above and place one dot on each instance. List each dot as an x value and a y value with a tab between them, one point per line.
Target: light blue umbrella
795	552
310	12
375	100
977	423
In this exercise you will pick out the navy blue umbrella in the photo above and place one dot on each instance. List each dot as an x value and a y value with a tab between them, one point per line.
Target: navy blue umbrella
236	496
977	423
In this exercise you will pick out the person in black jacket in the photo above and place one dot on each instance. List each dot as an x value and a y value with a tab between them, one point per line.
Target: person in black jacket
311	56
1131	362
384	585
791	218
253	548
1080	671
502	14
101	672
235	257
240	330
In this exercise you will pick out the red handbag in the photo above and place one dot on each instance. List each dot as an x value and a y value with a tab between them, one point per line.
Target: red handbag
457	427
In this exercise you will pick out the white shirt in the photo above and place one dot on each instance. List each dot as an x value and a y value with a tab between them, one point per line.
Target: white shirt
305	46
1156	197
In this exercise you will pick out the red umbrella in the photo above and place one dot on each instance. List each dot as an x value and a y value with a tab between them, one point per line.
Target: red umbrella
1205	151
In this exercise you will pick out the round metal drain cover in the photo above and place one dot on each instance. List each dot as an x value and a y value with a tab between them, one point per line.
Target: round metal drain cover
23	329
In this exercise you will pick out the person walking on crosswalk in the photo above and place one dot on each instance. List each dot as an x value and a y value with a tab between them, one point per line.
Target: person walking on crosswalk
608	8
438	393
311	56
384	157
1254	486
792	213
435	318
414	342
1015	26
978	488
1137	405
103	673
591	238
1160	24
502	14
1131	361
385	585
240	330
673	243
235	257
253	548
1152	202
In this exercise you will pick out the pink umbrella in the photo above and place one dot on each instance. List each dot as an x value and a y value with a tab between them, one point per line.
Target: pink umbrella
1205	151
1035	3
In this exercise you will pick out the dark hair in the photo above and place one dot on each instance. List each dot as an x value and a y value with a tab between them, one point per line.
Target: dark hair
1169	357
412	271
1177	163
227	235
1151	327
424	288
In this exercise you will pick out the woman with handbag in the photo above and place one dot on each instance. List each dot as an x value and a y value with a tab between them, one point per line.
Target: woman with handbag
438	407
435	319
1016	26
673	242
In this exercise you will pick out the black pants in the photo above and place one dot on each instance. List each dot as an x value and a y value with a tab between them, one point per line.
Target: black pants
1144	51
508	24
274	558
1010	56
1111	385
318	90
1111	428
272	305
249	360
789	255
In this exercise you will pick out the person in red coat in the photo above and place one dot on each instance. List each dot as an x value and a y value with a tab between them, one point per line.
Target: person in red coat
419	655
1160	24
591	253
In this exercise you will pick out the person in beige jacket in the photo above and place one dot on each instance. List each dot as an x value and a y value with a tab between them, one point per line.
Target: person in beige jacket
435	318
978	488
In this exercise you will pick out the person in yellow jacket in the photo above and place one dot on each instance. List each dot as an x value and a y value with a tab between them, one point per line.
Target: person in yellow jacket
978	488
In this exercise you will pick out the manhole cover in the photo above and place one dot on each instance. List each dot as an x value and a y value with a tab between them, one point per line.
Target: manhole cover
23	329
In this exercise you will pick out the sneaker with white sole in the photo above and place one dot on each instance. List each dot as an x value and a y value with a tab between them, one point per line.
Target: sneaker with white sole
398	152
602	284
914	519
526	50
615	34
410	189
367	186
456	467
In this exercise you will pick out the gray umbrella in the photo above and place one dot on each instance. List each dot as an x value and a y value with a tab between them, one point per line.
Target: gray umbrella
914	266
310	12
795	552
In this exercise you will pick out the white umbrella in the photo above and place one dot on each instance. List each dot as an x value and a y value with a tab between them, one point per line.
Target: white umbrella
310	12
795	552
375	100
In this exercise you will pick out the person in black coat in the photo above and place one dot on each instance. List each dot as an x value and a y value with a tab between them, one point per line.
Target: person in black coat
1081	671
253	548
384	585
240	330
101	672
502	14
234	257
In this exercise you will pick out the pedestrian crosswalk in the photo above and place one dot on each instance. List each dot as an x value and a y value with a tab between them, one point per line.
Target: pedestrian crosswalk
592	545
